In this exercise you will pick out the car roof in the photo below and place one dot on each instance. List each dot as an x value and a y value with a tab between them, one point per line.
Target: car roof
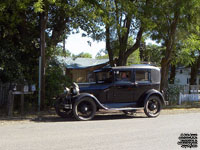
137	66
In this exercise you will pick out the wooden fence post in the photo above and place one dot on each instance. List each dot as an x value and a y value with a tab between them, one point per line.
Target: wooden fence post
10	103
22	103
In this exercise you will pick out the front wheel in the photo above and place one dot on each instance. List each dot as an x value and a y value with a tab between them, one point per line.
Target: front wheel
152	106
84	109
61	111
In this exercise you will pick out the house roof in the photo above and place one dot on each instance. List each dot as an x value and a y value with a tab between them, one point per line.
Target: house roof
80	63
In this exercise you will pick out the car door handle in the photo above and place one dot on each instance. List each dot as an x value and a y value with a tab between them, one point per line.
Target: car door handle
135	84
106	90
120	87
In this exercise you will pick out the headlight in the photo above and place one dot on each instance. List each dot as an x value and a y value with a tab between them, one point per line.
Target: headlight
66	91
75	91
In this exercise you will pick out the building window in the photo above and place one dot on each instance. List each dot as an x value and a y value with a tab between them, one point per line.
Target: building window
188	80
181	71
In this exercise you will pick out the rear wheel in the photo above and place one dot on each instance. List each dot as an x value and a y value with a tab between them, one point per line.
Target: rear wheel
84	109
152	106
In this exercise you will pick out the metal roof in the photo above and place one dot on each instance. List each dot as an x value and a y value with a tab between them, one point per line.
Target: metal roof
80	63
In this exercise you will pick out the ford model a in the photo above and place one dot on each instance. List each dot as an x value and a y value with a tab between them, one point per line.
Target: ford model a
125	89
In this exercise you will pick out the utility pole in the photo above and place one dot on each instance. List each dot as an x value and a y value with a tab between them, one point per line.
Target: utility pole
43	22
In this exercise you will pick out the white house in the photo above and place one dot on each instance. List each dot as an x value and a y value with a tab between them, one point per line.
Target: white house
183	76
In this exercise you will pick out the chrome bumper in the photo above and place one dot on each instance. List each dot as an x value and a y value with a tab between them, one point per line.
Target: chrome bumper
68	106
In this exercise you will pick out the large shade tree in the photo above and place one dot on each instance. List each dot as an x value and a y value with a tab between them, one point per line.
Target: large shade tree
28	25
169	17
116	21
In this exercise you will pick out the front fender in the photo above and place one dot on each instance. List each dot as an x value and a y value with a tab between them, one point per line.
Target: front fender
149	93
83	95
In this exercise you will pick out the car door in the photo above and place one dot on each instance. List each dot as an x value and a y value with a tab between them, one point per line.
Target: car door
143	83
123	86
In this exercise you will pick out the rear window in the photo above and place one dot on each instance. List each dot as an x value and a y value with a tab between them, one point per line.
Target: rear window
142	76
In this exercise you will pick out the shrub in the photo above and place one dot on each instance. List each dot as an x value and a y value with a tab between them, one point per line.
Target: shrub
172	93
55	81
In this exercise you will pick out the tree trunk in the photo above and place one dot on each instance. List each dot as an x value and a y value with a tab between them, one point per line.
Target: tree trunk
108	48
121	61
172	74
194	71
193	74
164	74
165	63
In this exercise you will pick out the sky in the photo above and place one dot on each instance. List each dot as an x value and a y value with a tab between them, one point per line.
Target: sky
76	44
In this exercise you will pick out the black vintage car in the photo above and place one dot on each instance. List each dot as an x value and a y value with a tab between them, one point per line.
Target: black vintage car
126	89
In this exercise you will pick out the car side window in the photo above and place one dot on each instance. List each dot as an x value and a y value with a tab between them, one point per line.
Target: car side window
104	77
122	76
142	76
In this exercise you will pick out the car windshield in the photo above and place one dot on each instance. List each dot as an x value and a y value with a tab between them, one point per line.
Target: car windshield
104	77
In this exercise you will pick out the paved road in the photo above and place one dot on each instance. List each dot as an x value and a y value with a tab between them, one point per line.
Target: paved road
110	132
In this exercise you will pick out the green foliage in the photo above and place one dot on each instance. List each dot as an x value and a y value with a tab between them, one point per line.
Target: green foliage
153	53
134	58
20	33
38	6
82	55
192	42
163	14
58	51
188	46
122	20
102	54
56	80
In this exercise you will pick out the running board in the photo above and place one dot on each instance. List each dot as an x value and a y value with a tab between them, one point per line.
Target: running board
128	108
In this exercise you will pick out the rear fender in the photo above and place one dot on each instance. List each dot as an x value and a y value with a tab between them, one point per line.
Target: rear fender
149	93
83	95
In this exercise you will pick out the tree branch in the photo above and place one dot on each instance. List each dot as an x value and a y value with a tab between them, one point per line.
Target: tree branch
137	43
